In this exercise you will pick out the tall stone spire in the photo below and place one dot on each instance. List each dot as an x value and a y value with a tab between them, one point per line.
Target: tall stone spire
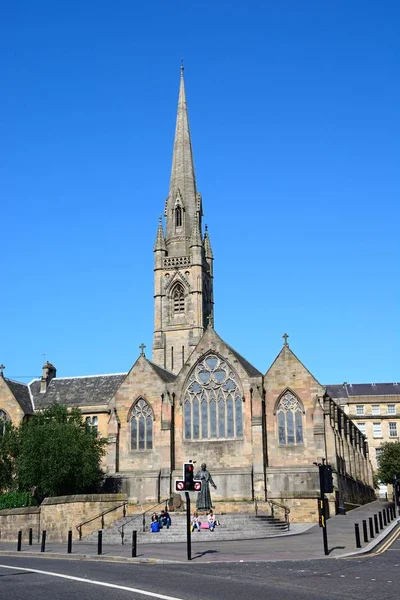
182	189
183	268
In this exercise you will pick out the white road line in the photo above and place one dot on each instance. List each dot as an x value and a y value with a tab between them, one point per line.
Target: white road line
93	582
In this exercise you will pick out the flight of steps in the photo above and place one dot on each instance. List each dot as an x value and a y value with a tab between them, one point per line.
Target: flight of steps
232	527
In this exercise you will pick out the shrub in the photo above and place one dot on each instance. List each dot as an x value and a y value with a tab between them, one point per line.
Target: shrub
16	500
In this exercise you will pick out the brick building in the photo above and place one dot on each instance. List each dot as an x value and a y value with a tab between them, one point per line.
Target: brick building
198	398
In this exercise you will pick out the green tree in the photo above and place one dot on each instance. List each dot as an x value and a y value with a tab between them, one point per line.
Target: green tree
58	454
389	461
8	450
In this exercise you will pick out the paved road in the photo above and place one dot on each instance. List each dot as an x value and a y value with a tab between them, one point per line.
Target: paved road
374	577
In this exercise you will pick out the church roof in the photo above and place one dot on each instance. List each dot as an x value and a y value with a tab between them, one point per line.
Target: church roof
21	394
248	367
347	390
77	391
165	375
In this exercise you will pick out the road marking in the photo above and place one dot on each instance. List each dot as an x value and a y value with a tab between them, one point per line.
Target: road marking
94	582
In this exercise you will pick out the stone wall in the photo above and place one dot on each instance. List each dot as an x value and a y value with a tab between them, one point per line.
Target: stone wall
15	519
58	515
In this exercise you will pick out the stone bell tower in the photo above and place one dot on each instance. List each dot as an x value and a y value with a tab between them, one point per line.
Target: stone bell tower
183	259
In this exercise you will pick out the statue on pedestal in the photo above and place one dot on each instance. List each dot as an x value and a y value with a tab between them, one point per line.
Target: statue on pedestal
203	501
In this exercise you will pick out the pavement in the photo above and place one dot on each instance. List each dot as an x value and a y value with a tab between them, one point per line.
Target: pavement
303	542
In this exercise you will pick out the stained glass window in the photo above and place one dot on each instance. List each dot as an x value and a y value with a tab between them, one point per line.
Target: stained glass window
3	422
141	426
213	401
290	420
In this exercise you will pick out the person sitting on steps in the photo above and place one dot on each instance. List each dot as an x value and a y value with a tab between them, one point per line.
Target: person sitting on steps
195	522
211	521
165	519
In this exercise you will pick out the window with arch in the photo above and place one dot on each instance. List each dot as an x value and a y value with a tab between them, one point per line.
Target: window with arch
290	420
213	401
178	298
4	419
141	426
178	216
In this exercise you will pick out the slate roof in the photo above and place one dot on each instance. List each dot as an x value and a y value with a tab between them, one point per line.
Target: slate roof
347	390
165	375
77	391
250	370
21	394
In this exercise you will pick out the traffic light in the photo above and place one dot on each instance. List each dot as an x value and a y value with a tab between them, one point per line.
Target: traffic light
328	479
189	483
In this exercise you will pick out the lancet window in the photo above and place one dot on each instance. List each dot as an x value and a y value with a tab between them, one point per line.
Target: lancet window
4	419
178	216
178	299
213	401
290	420
141	426
93	423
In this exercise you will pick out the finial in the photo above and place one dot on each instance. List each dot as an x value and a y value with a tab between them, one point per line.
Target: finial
182	67
2	367
160	219
206	228
142	347
285	337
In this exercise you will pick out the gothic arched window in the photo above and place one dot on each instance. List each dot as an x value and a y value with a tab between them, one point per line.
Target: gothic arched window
213	401
290	420
178	298
141	426
178	216
4	419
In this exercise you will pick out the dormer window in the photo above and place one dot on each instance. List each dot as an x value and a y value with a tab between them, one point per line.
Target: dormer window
178	216
178	299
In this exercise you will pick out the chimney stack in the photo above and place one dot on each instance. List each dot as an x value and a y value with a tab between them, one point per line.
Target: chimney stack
48	372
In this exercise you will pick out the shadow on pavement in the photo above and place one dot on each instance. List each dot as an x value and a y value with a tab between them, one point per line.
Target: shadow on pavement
200	554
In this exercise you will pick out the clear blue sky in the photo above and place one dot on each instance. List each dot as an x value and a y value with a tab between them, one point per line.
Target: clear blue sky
294	112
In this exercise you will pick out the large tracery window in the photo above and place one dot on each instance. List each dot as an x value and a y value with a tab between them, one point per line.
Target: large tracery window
3	422
141	426
213	401
290	420
178	298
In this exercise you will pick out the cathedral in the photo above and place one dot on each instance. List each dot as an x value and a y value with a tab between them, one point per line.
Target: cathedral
261	434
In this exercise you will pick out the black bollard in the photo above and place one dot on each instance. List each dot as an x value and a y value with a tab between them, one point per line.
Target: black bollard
371	528
69	548
384	518
43	545
357	532
388	514
376	523
380	520
365	532
134	544
19	541
100	542
30	536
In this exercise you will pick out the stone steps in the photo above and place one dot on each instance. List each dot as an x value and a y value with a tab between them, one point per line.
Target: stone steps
232	527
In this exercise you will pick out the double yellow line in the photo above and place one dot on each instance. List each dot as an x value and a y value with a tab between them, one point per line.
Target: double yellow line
392	538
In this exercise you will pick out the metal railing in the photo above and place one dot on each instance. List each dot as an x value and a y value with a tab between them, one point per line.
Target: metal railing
143	517
274	504
101	516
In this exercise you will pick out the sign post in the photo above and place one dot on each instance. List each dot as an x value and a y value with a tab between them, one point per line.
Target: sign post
188	484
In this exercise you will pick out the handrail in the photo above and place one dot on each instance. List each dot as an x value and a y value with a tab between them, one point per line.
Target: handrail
273	503
101	515
143	515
